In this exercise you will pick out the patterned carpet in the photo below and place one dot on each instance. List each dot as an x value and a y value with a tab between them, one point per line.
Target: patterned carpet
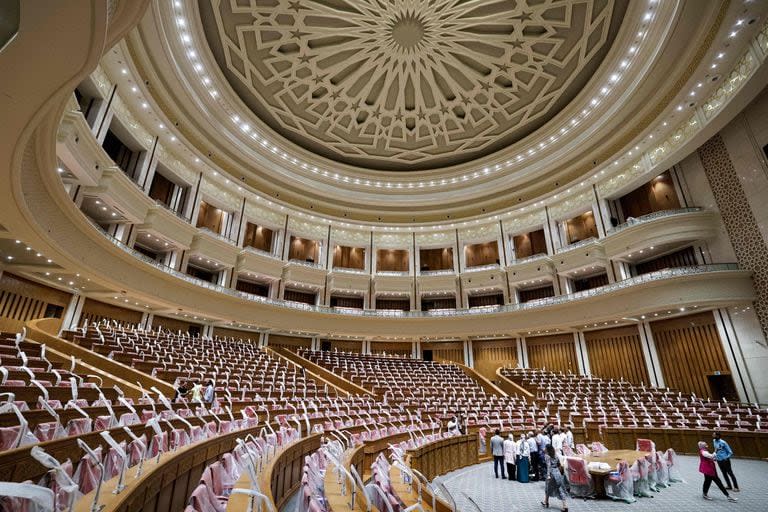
492	495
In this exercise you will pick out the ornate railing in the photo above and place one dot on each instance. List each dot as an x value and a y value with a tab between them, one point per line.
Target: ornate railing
634	221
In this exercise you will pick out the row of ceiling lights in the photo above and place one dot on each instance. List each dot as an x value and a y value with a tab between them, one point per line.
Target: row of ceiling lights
187	41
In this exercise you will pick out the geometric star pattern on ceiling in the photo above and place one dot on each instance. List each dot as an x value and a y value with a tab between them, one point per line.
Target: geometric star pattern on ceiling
408	84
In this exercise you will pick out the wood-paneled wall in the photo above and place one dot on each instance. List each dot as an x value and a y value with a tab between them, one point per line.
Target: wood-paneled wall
689	349
528	244
390	303
446	351
224	332
95	311
300	296
436	259
581	227
400	348
393	260
496	299
289	342
258	237
348	257
304	249
175	324
658	194
210	217
22	300
355	346
587	283
536	293
489	355
555	353
682	258
481	254
617	353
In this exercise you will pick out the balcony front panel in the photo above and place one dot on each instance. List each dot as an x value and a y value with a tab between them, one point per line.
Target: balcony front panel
393	284
259	263
530	268
78	149
672	227
298	272
168	225
481	279
118	190
580	256
437	283
342	281
212	247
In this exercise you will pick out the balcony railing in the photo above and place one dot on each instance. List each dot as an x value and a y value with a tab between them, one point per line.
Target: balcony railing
391	272
171	210
347	270
633	221
217	236
443	272
305	263
659	275
480	268
261	252
529	259
576	245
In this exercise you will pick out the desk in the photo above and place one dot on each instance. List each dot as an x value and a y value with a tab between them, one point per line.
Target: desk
612	458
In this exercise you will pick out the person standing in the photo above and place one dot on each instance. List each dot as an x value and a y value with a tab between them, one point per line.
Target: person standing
569	438
557	441
708	469
497	450
197	392
510	455
523	459
723	454
543	441
533	448
210	393
554	486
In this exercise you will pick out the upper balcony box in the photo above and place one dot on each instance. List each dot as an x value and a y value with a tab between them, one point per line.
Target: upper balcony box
118	190
298	271
437	283
346	281
530	268
214	246
77	148
578	255
482	278
392	284
168	225
260	263
661	228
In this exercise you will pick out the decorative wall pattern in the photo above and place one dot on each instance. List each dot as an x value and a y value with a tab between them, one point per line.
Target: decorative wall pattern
748	244
523	223
351	237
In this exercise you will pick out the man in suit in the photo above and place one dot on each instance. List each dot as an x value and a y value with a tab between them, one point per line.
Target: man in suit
497	449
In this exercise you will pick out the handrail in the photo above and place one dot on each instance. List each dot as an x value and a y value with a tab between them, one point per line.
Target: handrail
576	245
217	236
634	221
261	252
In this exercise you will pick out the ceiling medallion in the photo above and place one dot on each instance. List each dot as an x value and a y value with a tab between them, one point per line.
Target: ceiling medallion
408	84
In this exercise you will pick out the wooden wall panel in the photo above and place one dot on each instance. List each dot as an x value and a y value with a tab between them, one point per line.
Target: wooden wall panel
175	324
289	342
481	254
536	293
348	257
529	244
555	353
22	300
400	348
689	349
223	332
355	346
616	354
446	351
304	249
489	355
392	260
581	227
436	259
95	311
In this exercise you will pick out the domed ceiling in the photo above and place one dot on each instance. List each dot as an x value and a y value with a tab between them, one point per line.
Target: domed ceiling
408	84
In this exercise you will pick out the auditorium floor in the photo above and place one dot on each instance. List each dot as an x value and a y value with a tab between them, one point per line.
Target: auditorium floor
492	495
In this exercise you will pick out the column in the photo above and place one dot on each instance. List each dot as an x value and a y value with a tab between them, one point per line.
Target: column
650	354
315	343
192	209
735	356
240	233
207	330
609	271
147	166
549	238
264	339
469	356
100	119
599	211
460	254
582	356
146	321
522	352
72	314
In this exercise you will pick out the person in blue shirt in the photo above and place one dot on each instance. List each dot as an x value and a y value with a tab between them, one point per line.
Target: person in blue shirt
723	454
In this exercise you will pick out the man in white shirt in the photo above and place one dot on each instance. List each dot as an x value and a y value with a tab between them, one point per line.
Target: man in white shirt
533	448
558	438
510	455
453	426
497	450
569	438
523	459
